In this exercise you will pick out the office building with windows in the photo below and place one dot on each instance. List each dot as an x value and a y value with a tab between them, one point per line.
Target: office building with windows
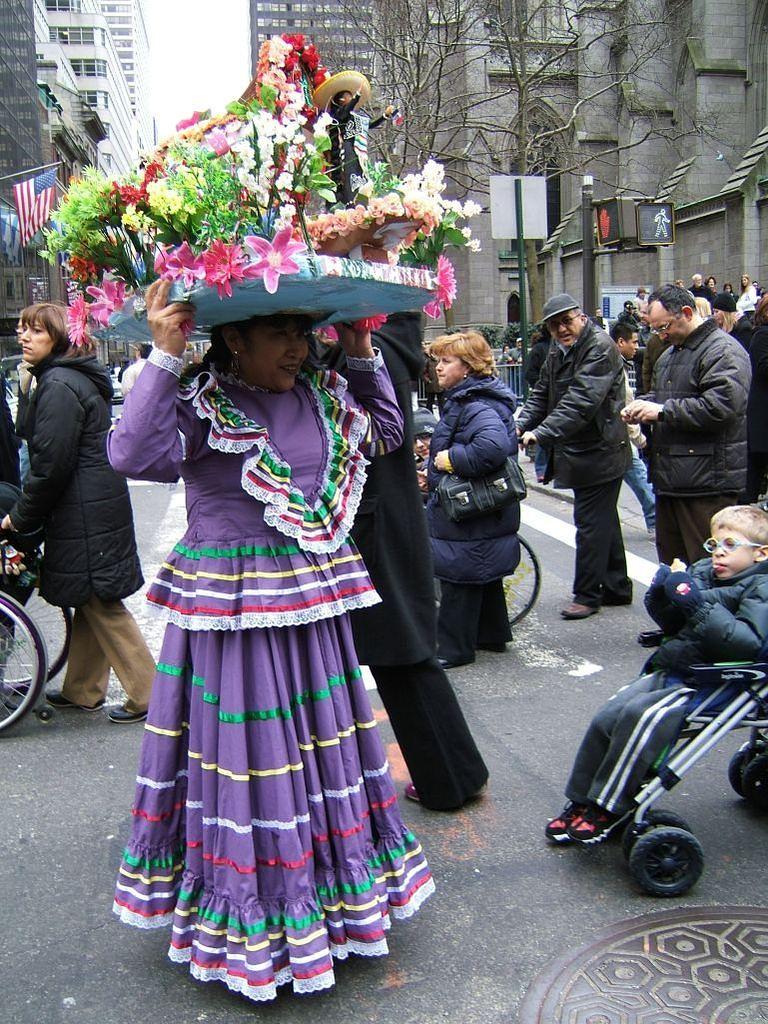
78	31
127	23
23	275
326	22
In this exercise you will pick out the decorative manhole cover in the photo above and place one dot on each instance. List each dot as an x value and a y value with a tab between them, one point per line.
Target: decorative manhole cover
691	966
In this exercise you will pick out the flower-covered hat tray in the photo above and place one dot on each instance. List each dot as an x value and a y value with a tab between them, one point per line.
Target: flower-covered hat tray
259	211
327	288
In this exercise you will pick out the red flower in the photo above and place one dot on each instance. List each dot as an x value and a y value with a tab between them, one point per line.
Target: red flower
151	173
81	270
129	194
298	41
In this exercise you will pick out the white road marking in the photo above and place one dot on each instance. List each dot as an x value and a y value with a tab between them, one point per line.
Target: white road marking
641	570
586	668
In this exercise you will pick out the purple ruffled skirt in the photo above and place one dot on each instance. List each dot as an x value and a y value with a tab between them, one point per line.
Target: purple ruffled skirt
266	827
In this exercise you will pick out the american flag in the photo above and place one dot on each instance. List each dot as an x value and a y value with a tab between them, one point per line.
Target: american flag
34	198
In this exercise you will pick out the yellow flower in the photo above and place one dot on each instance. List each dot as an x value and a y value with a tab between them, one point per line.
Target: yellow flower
136	221
163	201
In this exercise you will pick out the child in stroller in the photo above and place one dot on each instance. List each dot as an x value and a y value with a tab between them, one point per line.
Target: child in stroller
717	611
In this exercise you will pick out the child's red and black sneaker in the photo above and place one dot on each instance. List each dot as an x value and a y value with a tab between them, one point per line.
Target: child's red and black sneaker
593	826
557	829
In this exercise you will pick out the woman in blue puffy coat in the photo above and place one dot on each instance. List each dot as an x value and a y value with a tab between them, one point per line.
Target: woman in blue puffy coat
473	438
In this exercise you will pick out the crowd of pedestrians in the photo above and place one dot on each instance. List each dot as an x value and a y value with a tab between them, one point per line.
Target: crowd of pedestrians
262	615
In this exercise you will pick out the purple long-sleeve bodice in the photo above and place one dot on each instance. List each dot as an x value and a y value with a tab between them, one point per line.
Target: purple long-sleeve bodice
273	481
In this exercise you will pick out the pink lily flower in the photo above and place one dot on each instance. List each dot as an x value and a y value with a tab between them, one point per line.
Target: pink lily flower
275	257
180	262
223	264
446	288
217	140
197	115
77	322
106	301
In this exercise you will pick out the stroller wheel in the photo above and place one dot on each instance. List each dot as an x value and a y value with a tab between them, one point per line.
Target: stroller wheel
754	782
666	861
736	767
653	819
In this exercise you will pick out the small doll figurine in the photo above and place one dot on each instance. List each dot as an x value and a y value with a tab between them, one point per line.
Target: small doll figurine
340	95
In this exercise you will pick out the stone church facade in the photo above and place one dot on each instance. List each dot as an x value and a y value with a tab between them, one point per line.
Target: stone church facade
686	122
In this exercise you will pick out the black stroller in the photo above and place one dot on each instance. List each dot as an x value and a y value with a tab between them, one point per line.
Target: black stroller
664	856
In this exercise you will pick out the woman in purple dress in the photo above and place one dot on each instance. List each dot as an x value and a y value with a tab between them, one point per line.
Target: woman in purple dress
266	828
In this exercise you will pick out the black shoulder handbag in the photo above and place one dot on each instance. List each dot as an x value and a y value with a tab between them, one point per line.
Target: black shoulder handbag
463	499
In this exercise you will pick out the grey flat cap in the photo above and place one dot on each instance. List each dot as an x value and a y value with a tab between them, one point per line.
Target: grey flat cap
558	304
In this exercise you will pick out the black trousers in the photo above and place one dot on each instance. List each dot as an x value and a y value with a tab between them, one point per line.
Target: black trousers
470	614
757	468
445	765
601	565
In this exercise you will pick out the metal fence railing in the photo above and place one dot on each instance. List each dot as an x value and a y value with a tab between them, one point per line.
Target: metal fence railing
510	374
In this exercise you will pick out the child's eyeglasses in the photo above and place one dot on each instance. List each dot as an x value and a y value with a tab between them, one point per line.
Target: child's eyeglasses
728	544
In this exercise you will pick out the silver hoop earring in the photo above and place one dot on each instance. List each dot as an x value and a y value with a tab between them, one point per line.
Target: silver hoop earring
235	364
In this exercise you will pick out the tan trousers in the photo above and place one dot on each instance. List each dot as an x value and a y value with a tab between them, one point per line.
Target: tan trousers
104	635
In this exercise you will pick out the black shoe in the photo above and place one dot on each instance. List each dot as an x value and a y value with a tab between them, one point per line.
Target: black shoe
58	700
615	600
494	648
121	716
444	663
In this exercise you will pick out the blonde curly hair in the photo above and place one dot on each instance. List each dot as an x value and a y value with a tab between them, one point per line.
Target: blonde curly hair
748	520
468	346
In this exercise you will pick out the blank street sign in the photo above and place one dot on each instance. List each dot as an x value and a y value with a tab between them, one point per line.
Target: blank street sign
503	220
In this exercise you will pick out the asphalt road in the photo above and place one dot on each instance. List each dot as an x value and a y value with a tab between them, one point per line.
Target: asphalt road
506	903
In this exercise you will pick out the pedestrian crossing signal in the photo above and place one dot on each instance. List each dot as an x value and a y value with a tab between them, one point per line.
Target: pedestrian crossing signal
615	221
655	223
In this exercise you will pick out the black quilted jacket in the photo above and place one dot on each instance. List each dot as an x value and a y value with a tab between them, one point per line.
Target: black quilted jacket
700	446
72	491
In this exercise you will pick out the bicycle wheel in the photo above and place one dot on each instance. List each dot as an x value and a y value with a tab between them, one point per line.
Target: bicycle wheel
521	588
23	662
56	626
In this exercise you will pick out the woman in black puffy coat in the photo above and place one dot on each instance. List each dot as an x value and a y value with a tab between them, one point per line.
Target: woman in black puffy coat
82	505
473	438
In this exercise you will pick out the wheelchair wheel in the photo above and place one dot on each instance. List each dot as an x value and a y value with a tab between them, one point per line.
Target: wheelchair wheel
23	662
666	861
754	782
736	767
521	588
56	626
653	819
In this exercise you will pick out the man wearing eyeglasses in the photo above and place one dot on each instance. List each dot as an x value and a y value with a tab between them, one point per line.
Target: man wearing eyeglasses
697	405
574	411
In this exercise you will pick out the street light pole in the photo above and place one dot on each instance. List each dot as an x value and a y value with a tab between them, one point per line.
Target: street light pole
521	270
588	247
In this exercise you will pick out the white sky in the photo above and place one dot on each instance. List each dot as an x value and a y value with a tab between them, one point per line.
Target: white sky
199	56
